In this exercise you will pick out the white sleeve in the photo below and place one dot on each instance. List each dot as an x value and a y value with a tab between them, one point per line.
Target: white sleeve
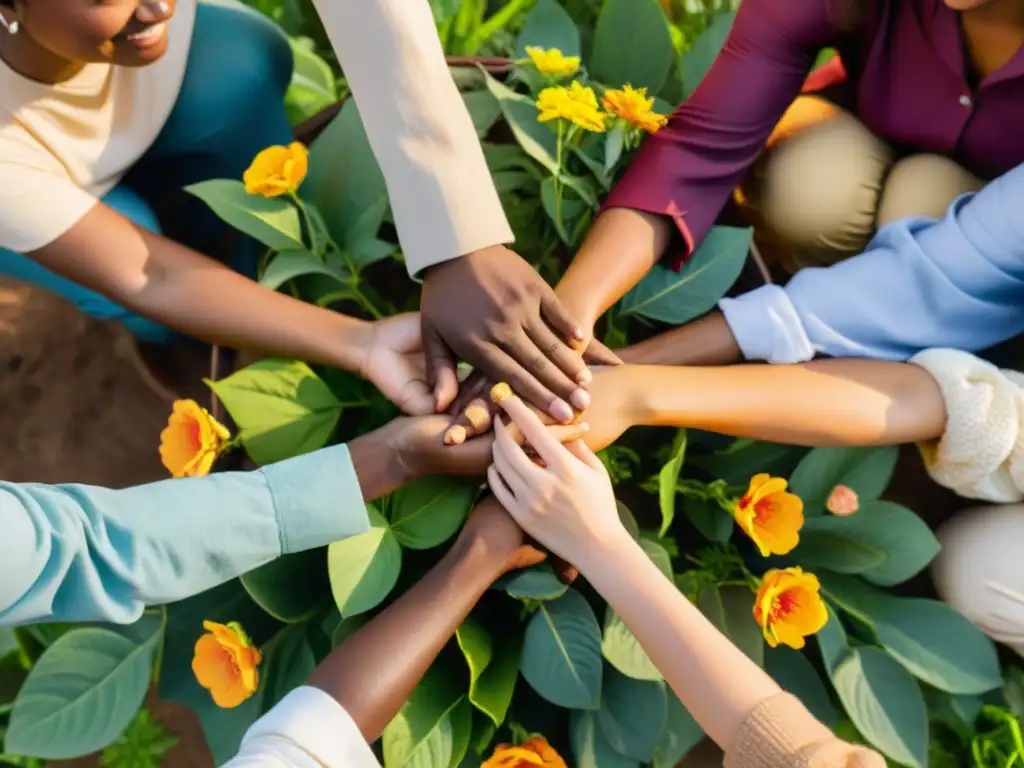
306	729
981	453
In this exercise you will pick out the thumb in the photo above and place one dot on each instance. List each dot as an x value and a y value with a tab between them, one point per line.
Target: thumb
441	374
598	354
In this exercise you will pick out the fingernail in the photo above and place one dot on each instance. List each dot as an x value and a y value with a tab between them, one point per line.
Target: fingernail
584	376
561	410
584	427
455	435
577	333
500	391
478	414
581	399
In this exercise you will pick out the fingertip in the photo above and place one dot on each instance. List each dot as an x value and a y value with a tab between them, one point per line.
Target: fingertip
455	435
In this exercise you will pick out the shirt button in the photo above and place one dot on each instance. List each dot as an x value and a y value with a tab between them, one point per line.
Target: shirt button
965	100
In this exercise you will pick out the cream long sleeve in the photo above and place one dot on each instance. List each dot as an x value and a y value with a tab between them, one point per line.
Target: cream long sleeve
442	195
981	453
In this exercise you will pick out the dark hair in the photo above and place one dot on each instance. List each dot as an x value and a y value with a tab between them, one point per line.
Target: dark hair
6	3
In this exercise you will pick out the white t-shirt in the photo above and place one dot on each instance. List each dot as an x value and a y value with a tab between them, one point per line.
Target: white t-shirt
306	729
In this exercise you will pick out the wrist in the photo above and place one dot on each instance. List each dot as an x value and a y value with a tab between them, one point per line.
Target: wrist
601	558
353	340
479	558
373	457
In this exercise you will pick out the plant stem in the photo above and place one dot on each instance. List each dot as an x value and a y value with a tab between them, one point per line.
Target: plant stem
559	151
311	228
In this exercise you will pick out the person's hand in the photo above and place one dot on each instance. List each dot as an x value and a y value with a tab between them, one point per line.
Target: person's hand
393	361
491	309
567	505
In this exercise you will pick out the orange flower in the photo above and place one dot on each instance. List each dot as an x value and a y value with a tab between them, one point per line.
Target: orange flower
770	515
533	751
225	664
277	170
842	501
789	607
191	440
632	105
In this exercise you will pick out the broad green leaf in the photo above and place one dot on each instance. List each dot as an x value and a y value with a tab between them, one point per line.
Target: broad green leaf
492	691
623	651
81	694
885	703
461	719
8	642
477	648
667	478
549	26
361	243
562	653
484	110
832	642
1013	691
567	220
632	715
680	735
537	583
589	746
632	45
288	265
866	471
698	60
613	146
745	458
313	86
484	731
291	588
272	221
708	517
281	407
363	569
883	542
422	734
428	512
731	609
679	297
796	675
288	660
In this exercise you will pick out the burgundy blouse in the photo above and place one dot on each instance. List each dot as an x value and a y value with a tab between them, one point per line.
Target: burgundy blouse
907	66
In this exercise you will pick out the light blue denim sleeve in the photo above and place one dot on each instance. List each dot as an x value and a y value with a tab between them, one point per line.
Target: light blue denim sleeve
82	553
956	282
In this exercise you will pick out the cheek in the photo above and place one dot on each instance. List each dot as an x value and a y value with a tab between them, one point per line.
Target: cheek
84	36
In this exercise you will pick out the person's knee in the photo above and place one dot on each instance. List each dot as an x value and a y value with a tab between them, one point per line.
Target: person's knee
818	190
977	571
923	185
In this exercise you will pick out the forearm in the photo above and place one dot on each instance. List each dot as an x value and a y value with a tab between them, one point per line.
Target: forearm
835	402
619	250
707	341
374	671
716	682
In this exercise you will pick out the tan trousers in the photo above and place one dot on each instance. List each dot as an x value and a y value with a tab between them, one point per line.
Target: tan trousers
826	183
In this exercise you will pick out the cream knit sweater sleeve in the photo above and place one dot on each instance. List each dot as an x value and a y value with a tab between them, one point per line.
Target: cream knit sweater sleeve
981	453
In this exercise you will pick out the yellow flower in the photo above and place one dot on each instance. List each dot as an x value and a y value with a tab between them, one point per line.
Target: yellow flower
552	61
225	664
534	751
577	104
191	440
770	516
789	607
842	501
632	104
277	170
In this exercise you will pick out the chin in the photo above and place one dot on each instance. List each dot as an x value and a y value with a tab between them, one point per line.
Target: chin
141	57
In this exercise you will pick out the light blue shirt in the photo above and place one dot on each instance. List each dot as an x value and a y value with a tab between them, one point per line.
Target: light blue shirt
80	553
956	282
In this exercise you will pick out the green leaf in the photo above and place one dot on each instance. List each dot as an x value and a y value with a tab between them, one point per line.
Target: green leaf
658	555
272	221
492	691
866	471
936	644
428	512
632	45
632	715
708	517
885	703
883	542
422	735
698	60
81	694
364	569
613	146
832	642
562	653
572	211
288	662
731	609
680	735
291	588
288	265
549	26
628	520
745	458
589	746
462	731
667	479
679	297
281	407
623	651
796	675
537	583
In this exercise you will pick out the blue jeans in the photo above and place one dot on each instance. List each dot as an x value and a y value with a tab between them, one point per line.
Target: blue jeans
231	106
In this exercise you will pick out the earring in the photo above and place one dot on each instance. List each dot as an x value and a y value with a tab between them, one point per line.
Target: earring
10	26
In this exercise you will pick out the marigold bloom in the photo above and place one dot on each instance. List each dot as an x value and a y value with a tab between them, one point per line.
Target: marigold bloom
842	501
277	170
789	607
577	104
533	752
770	516
552	61
632	104
225	663
191	440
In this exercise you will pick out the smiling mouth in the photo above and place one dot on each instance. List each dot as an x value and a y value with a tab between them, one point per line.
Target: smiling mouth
147	36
